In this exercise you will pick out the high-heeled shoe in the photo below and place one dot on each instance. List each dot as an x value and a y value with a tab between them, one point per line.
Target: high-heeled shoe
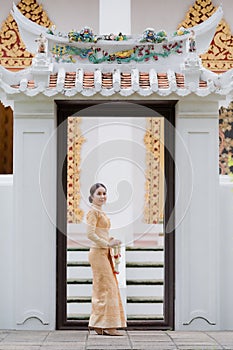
99	331
112	332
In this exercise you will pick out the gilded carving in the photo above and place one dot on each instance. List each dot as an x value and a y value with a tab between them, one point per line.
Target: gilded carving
153	208
74	145
225	138
13	54
219	57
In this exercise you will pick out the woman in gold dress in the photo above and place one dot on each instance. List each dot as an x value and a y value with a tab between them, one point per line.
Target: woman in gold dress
107	311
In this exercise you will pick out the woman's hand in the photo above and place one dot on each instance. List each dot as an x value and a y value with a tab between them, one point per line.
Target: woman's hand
114	242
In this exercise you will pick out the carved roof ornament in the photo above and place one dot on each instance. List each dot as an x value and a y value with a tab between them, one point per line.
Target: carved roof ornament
219	57
87	64
79	48
13	53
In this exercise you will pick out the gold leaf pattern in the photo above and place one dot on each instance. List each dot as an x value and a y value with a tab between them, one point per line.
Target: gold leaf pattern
225	138
152	184
74	145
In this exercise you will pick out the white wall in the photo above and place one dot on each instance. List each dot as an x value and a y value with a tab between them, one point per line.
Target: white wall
75	14
6	252
226	251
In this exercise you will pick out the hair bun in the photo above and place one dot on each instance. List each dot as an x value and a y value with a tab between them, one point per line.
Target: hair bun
90	199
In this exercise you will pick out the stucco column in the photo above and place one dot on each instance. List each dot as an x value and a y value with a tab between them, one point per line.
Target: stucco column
115	16
197	231
34	227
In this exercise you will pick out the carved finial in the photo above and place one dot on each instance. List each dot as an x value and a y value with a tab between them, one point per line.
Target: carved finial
192	41
13	53
42	44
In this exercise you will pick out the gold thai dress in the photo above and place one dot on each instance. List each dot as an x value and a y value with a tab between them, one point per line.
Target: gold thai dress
107	310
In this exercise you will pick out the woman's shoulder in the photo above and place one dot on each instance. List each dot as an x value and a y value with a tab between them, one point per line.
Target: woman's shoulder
93	213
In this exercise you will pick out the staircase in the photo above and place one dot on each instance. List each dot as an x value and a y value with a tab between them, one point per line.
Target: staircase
144	280
79	284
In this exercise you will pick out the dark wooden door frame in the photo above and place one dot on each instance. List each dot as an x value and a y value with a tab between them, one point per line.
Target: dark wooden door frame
66	108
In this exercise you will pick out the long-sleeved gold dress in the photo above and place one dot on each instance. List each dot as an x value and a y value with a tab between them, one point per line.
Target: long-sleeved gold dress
107	310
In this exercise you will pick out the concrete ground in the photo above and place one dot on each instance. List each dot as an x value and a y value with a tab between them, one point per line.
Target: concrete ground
136	340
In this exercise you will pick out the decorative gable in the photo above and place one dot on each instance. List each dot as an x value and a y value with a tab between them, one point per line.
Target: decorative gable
13	54
219	57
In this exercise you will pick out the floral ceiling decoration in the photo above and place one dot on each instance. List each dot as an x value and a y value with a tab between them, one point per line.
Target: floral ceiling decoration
13	54
74	146
219	57
225	139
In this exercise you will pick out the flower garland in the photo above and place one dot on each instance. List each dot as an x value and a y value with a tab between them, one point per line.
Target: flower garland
141	53
116	256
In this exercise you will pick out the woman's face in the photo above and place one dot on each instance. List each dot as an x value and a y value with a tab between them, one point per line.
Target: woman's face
100	196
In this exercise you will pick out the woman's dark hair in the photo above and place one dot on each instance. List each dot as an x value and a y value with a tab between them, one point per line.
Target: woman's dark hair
93	189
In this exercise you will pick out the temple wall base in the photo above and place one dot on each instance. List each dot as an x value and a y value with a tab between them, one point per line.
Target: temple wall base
203	221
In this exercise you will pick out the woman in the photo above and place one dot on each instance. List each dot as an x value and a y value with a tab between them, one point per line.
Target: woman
107	312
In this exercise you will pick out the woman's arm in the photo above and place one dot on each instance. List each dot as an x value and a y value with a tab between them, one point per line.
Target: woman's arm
92	218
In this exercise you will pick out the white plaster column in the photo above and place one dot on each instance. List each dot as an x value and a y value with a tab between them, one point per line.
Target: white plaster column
6	252
226	248
114	16
34	226
197	231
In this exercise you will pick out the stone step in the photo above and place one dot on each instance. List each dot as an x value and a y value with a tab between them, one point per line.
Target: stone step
81	255
128	248
84	317
78	263
79	281
139	249
86	289
75	299
150	309
142	290
128	282
144	256
130	255
130	264
145	317
78	249
147	264
145	300
79	272
155	282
